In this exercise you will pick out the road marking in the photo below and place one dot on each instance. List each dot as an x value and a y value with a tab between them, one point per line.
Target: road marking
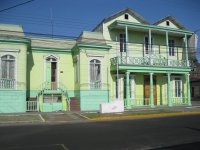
43	120
83	116
64	147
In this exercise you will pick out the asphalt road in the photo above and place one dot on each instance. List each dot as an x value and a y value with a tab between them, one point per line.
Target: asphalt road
177	133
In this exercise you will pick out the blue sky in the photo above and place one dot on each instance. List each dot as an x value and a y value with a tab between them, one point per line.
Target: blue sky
72	17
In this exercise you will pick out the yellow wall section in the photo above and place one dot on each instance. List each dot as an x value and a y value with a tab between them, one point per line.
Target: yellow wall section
37	69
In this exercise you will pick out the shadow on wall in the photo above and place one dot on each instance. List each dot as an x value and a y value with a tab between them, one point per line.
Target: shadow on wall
30	64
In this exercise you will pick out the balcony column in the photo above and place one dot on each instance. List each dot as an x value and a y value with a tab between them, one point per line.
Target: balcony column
150	47
167	47
169	90
128	103
186	50
188	89
151	91
126	34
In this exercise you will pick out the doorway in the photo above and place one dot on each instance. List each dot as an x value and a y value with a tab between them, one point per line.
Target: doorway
147	90
51	73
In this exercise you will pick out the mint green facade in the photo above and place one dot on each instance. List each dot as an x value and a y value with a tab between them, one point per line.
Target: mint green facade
122	58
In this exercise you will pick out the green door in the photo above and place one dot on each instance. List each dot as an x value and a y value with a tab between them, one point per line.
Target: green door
48	75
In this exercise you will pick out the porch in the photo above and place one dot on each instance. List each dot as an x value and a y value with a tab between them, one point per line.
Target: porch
142	89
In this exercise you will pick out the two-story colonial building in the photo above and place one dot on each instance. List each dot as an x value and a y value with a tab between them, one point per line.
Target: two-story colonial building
124	57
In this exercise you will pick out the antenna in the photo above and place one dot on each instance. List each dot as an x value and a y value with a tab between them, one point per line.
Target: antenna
51	21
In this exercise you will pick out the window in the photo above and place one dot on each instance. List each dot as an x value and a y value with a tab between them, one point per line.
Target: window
95	74
126	16
178	87
8	67
122	40
147	44
167	23
171	47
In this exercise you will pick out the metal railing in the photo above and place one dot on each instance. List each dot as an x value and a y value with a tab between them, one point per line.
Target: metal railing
140	102
95	84
179	100
7	83
148	61
31	106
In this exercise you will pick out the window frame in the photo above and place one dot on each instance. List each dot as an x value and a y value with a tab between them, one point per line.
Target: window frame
97	62
8	66
178	88
122	43
171	44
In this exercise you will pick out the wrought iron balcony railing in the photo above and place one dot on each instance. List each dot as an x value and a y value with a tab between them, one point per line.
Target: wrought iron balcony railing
149	61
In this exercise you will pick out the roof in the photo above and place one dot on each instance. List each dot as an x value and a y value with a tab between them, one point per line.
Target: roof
91	38
11	30
127	10
52	43
173	20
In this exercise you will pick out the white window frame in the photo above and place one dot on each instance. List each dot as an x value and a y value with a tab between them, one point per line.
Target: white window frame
148	46
15	66
124	49
100	62
175	91
58	66
171	54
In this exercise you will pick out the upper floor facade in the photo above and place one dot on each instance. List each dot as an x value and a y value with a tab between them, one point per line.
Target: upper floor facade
135	42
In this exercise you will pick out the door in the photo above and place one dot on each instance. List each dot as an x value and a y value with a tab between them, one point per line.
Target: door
147	90
53	76
122	41
48	75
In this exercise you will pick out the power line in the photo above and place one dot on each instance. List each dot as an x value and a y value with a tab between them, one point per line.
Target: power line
16	5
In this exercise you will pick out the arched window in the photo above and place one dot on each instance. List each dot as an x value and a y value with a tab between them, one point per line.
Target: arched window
95	73
8	67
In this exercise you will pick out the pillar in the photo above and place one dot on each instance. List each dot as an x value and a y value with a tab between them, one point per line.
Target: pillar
186	50
188	89
167	47
151	91
128	101
126	34
169	100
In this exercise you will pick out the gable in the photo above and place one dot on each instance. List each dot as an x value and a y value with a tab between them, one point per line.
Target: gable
168	23
132	17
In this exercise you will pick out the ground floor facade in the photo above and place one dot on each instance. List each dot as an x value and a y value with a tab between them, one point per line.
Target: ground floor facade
135	89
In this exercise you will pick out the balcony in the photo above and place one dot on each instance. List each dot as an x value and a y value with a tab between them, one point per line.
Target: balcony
7	83
157	61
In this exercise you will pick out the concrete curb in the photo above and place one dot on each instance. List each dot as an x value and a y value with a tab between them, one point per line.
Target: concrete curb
106	118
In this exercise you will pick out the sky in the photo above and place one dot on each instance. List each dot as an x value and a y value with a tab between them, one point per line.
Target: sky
71	17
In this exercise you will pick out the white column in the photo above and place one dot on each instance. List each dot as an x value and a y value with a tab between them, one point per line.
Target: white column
126	31
186	50
167	47
151	91
149	47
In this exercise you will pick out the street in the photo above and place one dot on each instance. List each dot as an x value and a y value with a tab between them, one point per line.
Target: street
182	132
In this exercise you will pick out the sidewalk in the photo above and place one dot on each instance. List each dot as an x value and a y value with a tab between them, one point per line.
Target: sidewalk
72	117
